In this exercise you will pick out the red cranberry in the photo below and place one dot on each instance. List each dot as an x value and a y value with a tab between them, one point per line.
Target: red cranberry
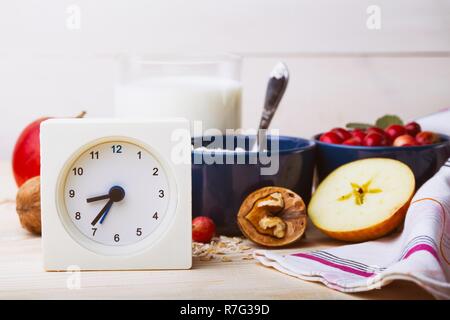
376	130
358	133
413	128
395	130
331	137
354	141
342	133
375	140
427	137
203	229
405	140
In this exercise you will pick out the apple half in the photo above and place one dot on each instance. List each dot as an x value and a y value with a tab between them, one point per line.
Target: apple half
363	200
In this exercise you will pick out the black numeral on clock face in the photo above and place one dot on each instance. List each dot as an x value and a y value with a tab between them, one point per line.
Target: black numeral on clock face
94	154
161	193
155	171
77	171
77	215
155	216
116	237
139	232
94	230
117	148
71	193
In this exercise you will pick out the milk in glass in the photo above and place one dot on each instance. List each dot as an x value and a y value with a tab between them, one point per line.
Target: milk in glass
216	101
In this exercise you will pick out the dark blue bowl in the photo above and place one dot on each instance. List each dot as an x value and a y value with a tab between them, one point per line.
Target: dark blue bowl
219	189
424	161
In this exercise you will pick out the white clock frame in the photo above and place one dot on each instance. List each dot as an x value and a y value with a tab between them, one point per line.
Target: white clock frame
64	246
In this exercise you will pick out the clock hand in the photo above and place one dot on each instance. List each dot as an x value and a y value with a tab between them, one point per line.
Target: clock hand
100	214
115	194
104	215
103	197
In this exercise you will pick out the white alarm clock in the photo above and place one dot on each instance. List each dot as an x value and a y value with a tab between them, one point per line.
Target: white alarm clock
116	194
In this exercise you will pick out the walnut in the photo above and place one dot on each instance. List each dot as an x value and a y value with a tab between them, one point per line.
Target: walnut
28	205
274	225
264	223
272	216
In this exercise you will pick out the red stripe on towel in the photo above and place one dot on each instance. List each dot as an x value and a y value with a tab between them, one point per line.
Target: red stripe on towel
422	247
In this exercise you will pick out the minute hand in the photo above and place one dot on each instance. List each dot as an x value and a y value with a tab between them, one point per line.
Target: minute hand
100	214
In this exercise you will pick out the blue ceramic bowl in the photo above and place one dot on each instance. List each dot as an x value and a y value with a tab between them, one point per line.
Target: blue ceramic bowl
219	189
424	161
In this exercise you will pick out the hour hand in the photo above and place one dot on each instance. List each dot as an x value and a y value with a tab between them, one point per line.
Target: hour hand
98	198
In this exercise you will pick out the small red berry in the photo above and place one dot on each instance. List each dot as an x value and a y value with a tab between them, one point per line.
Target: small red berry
382	132
358	133
427	137
376	130
331	137
375	140
395	130
354	141
405	140
203	229
342	133
413	128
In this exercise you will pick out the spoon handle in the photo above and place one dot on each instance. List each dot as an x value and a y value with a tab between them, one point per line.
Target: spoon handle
275	90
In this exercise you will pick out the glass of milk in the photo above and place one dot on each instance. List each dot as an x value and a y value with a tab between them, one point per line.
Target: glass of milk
202	88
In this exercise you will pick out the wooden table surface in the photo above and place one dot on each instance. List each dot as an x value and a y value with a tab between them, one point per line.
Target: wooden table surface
22	275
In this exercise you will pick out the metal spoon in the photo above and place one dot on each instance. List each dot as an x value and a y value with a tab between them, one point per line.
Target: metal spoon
275	90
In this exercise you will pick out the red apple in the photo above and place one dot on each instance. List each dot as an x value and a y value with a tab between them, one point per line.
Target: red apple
394	131
375	140
203	229
331	137
404	141
427	137
413	128
26	160
342	133
354	141
358	133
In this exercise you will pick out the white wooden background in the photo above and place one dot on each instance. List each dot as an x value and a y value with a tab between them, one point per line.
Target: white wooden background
340	70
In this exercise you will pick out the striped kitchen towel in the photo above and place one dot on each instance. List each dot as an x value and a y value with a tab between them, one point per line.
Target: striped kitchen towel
421	253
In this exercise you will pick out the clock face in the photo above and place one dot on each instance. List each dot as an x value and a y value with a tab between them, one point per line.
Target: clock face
116	193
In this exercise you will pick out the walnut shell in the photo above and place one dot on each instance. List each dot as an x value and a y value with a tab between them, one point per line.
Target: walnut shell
28	205
272	216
